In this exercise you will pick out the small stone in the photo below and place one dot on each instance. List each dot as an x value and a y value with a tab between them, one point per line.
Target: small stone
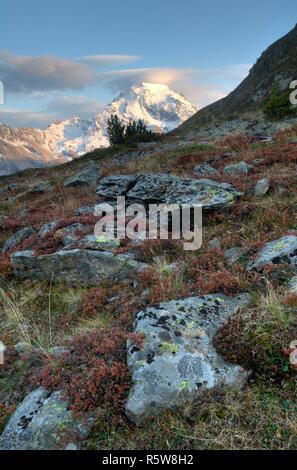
205	170
23	348
262	187
234	254
214	244
238	169
58	351
85	210
71	446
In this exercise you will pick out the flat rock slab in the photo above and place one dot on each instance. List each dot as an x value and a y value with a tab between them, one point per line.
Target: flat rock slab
283	250
76	267
164	188
177	360
43	422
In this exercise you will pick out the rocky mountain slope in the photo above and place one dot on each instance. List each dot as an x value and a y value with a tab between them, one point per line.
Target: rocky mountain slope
277	65
161	108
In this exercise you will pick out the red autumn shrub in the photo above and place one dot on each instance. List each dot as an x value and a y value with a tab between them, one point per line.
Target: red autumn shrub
92	301
291	300
5	267
211	273
93	373
220	281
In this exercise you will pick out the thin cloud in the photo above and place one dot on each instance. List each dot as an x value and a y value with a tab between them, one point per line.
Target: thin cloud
109	60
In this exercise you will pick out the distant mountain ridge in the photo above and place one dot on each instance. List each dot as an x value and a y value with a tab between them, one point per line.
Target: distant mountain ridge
161	108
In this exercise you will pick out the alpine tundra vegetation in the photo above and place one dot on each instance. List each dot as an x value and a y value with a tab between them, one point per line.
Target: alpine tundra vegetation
137	343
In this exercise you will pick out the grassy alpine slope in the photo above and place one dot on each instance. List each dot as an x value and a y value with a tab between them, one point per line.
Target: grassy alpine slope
263	414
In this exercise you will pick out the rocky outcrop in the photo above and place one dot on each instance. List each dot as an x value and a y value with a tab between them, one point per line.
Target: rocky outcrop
43	422
169	189
283	250
78	267
177	360
86	177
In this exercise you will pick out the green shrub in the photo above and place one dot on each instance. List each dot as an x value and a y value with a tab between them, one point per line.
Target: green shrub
135	131
278	105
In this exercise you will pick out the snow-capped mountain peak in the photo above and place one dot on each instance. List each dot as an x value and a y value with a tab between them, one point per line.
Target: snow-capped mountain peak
161	109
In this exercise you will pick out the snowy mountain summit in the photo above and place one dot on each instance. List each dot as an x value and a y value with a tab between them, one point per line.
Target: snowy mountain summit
161	109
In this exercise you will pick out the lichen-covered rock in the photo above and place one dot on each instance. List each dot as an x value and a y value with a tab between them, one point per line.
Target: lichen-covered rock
117	185
74	267
86	177
18	238
205	170
91	242
177	359
283	250
238	169
169	189
43	422
208	193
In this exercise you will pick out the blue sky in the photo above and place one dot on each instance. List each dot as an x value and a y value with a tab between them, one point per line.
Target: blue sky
65	57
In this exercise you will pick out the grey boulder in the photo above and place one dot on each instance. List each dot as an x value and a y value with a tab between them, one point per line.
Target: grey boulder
43	421
177	359
75	267
164	188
